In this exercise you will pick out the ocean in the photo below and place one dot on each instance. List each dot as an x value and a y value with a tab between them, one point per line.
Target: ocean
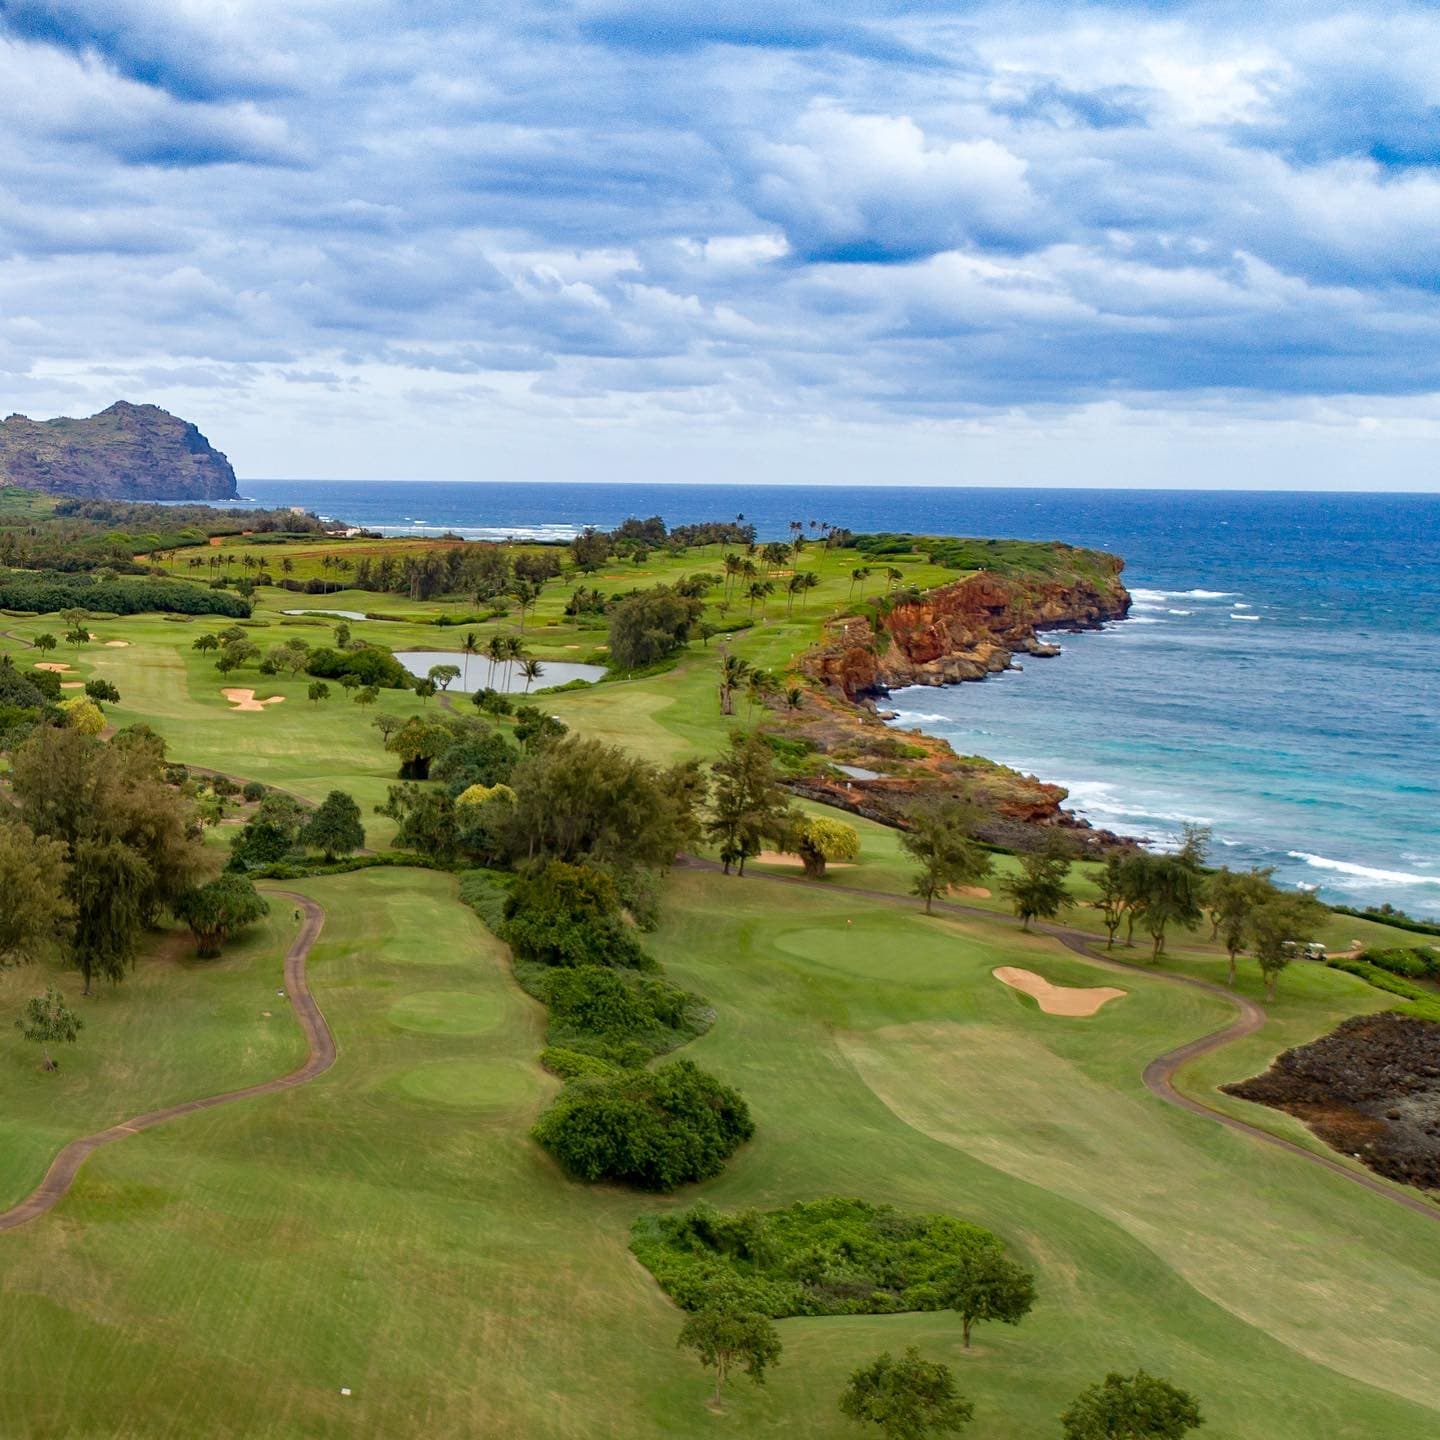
1278	680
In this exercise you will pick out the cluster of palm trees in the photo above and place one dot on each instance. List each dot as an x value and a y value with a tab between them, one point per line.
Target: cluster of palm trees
737	674
499	650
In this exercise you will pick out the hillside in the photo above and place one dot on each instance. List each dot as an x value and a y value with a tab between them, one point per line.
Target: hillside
137	452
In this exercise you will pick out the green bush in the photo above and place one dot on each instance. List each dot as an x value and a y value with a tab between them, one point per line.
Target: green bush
369	665
47	591
616	1014
1411	964
836	1256
485	892
562	914
653	1129
573	1065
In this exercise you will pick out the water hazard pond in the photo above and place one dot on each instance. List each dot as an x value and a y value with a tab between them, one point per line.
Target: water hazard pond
477	673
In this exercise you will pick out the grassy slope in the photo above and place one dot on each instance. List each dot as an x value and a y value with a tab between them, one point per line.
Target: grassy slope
390	1229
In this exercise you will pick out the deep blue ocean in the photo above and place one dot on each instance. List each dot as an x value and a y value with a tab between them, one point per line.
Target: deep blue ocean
1279	679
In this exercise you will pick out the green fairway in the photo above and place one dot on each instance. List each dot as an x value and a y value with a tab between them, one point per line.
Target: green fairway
390	1228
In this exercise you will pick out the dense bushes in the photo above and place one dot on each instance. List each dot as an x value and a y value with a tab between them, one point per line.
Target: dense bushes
835	1256
1412	964
368	664
652	1129
560	914
46	591
618	1015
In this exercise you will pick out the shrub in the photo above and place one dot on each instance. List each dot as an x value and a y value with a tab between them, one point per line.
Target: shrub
573	1065
835	1256
561	914
82	714
651	1129
1412	964
369	665
624	1017
253	791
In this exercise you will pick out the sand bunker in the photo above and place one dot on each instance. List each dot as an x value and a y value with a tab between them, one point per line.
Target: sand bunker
245	700
1056	999
774	857
970	892
117	644
53	665
72	684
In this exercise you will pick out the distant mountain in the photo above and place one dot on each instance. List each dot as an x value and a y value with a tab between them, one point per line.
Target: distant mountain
129	452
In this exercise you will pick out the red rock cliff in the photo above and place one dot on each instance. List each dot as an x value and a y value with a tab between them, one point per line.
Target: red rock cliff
968	629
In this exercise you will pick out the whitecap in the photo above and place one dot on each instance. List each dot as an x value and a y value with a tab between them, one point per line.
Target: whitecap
1179	612
1364	872
1205	594
1244	617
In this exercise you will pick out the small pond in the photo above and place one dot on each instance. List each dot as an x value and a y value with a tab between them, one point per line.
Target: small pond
343	614
477	673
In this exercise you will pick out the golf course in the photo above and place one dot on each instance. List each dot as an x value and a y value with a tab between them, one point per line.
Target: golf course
358	1236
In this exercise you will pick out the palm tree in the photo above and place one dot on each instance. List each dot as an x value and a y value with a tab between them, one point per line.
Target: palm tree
894	576
514	653
734	565
795	697
495	653
859	577
733	671
469	646
808	581
759	684
793	587
758	591
531	670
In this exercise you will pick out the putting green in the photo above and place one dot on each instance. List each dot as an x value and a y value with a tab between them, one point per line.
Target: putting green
471	1084
446	1012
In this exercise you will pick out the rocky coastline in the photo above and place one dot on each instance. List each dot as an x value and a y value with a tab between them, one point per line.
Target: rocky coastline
967	630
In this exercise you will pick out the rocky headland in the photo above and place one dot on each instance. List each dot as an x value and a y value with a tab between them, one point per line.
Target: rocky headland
126	452
966	630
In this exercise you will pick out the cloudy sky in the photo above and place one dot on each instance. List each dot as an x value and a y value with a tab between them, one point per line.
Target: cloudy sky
745	240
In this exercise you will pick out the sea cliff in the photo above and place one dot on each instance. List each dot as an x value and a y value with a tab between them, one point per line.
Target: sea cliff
126	452
968	629
965	630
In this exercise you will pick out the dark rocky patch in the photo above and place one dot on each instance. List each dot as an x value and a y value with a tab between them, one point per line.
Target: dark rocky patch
1370	1088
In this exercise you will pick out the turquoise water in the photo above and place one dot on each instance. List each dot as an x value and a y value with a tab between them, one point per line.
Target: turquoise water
1279	679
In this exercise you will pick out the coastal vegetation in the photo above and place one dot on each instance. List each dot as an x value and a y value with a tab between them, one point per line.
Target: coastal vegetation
537	972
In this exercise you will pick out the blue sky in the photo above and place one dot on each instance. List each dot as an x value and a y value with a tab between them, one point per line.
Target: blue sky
922	243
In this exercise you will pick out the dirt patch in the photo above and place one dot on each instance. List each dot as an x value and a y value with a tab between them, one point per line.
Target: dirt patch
55	666
1370	1088
1057	999
794	862
245	700
117	644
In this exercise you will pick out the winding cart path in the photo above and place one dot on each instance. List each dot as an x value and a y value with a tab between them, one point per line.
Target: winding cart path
321	1044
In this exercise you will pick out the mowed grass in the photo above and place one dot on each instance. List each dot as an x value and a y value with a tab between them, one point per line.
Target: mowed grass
391	1229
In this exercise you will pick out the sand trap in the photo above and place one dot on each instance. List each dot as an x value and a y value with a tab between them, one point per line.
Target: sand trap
970	892
72	684
52	665
245	700
117	644
1056	999
774	857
